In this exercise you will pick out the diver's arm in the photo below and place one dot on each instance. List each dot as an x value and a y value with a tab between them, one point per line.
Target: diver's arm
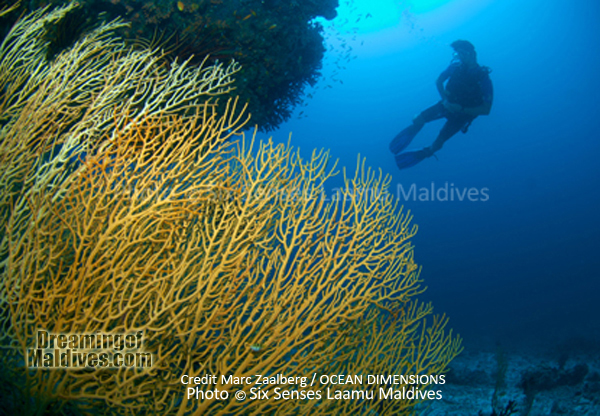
440	85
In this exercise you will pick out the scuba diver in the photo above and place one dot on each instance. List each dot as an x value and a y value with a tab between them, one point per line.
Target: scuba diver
468	93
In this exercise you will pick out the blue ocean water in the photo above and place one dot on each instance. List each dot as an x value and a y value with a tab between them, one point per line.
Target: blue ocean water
516	263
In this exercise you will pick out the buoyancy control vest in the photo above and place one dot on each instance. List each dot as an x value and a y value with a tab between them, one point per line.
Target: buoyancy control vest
465	85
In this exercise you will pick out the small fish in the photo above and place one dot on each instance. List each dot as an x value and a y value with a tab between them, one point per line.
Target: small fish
255	347
247	17
180	6
273	26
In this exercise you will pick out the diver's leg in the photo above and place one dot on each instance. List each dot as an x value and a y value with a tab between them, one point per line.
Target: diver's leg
451	127
403	139
435	112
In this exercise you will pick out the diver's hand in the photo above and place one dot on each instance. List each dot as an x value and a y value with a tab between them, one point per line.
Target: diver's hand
452	107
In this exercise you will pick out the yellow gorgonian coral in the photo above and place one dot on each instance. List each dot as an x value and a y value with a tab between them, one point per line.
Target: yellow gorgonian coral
137	213
9	8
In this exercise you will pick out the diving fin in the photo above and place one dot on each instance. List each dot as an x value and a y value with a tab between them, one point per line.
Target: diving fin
403	139
409	159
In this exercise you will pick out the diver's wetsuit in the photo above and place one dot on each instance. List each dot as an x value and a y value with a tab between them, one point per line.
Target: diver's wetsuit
467	86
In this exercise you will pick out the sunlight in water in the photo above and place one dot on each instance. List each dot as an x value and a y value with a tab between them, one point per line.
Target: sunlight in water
367	16
424	6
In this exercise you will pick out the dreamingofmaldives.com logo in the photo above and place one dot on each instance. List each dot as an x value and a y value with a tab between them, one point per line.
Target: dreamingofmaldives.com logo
97	350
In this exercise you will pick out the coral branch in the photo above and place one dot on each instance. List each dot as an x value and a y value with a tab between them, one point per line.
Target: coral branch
127	208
